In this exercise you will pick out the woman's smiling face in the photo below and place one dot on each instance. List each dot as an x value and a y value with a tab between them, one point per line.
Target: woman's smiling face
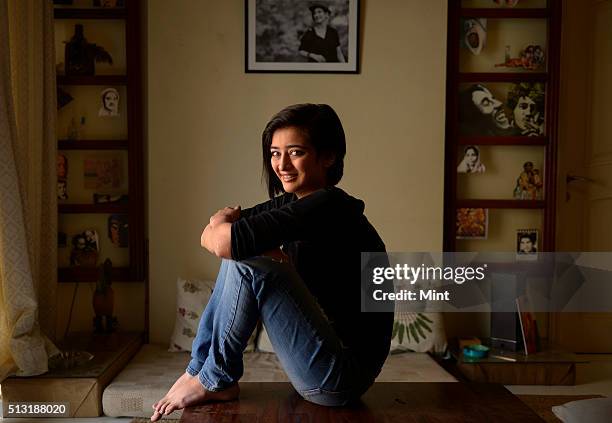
296	163
319	15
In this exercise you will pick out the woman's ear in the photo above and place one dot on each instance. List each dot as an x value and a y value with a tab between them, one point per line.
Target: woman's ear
328	159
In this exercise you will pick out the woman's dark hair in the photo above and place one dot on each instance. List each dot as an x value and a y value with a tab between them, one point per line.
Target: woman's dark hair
471	120
316	6
320	126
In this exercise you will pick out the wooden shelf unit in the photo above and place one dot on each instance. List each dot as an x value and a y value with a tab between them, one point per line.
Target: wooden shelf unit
455	141
133	145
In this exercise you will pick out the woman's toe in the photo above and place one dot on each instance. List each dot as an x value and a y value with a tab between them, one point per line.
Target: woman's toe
169	409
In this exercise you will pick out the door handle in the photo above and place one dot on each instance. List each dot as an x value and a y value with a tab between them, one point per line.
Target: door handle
569	178
577	178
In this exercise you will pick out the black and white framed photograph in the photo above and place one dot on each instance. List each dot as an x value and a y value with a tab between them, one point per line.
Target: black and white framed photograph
302	36
527	244
471	162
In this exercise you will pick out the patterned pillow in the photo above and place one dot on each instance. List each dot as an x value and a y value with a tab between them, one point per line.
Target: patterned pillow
191	298
418	332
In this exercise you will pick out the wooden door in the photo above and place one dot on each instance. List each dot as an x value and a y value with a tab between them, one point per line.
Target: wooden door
584	213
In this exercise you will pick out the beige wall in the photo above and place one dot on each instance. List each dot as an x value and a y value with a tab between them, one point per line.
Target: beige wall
206	116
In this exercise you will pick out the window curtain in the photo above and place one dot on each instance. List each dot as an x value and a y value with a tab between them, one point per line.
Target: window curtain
28	200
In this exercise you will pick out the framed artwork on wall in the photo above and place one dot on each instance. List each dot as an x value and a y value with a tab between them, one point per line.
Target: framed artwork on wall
302	36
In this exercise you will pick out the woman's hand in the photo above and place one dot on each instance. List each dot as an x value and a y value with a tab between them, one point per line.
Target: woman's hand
318	57
217	235
225	215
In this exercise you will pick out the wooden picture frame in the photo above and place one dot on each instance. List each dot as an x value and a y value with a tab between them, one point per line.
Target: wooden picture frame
287	36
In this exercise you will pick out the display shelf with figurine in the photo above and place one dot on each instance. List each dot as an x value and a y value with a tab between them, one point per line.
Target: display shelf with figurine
100	139
501	136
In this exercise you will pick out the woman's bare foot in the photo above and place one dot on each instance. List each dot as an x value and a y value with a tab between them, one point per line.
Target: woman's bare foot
185	376
189	391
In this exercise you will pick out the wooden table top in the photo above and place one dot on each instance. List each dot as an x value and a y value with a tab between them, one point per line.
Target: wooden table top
384	402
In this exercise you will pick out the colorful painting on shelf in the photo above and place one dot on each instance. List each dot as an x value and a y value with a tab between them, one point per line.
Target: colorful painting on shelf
472	223
103	171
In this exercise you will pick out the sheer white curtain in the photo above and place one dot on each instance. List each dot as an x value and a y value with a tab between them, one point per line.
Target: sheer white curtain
28	204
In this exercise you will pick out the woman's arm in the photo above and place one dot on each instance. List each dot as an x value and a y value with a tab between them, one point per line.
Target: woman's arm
340	55
318	57
217	239
299	220
274	203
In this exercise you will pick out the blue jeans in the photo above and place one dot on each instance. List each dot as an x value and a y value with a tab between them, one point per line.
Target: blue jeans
318	365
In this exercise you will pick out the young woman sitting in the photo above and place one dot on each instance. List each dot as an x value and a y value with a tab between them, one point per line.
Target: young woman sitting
292	262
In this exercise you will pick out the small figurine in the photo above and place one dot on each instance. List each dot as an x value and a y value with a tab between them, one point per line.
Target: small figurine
530	58
104	301
118	230
529	184
81	56
474	35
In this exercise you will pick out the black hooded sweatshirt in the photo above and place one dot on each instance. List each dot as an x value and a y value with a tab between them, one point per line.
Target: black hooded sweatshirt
323	234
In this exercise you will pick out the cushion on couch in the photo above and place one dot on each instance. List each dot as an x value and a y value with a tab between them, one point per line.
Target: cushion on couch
418	332
192	295
191	298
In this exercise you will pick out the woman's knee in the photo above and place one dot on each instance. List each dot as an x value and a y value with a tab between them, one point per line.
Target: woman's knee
263	271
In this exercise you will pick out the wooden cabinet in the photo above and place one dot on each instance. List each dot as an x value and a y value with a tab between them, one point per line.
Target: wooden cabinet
104	153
